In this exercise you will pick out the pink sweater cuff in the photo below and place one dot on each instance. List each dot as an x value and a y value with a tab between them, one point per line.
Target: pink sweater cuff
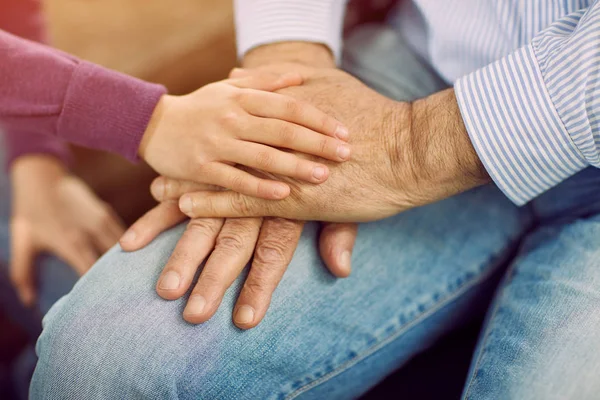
107	110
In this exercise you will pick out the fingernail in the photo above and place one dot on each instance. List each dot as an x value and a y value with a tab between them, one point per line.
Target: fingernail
343	151
345	260
129	236
280	191
244	315
170	281
158	189
319	173
341	132
185	204
195	305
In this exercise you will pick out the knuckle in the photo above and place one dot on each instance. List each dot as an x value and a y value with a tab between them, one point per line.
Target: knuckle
270	253
326	122
229	118
255	286
239	204
237	182
230	241
293	108
323	145
264	159
211	279
288	134
204	226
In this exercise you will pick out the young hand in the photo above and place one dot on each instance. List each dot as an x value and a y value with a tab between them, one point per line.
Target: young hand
201	136
55	212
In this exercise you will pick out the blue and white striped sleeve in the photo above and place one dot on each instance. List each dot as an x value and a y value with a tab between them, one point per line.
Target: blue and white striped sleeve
260	22
534	116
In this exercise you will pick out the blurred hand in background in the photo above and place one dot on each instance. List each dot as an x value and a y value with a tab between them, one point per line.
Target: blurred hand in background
53	211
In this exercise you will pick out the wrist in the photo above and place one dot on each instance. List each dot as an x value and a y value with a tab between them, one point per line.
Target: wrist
306	53
435	146
153	126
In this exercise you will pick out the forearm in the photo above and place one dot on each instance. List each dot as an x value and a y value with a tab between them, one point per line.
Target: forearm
46	91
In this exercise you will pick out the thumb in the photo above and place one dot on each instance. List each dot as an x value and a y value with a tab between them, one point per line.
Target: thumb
335	245
23	255
268	81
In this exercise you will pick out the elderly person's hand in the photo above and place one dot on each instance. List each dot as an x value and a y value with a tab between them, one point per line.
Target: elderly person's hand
227	246
404	155
270	242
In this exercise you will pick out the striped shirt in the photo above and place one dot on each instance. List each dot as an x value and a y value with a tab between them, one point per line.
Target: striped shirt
526	73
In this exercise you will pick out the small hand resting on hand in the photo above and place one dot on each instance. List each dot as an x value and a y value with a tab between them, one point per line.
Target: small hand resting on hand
201	136
404	155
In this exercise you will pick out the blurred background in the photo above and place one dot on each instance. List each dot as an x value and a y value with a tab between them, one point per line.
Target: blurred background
183	47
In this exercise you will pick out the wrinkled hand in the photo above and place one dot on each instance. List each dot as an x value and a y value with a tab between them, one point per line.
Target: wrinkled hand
57	213
227	246
404	155
363	188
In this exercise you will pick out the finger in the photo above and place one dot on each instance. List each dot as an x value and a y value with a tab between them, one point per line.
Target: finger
268	159
286	108
224	204
77	250
144	230
195	244
233	248
23	255
268	81
274	251
163	188
295	137
336	243
243	182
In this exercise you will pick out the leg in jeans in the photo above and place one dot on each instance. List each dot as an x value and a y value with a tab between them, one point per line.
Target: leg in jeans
542	340
416	276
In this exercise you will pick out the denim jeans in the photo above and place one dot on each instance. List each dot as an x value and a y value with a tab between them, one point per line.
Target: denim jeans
416	277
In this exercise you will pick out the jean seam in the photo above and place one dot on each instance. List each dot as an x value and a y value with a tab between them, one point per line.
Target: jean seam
378	346
488	330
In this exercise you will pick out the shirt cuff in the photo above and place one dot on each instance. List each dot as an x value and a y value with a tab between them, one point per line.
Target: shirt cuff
260	22
107	110
515	127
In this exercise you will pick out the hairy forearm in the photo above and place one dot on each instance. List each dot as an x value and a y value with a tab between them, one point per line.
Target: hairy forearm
438	148
305	53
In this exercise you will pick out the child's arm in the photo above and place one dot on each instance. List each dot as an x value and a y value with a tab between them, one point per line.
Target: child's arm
24	18
197	137
240	121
